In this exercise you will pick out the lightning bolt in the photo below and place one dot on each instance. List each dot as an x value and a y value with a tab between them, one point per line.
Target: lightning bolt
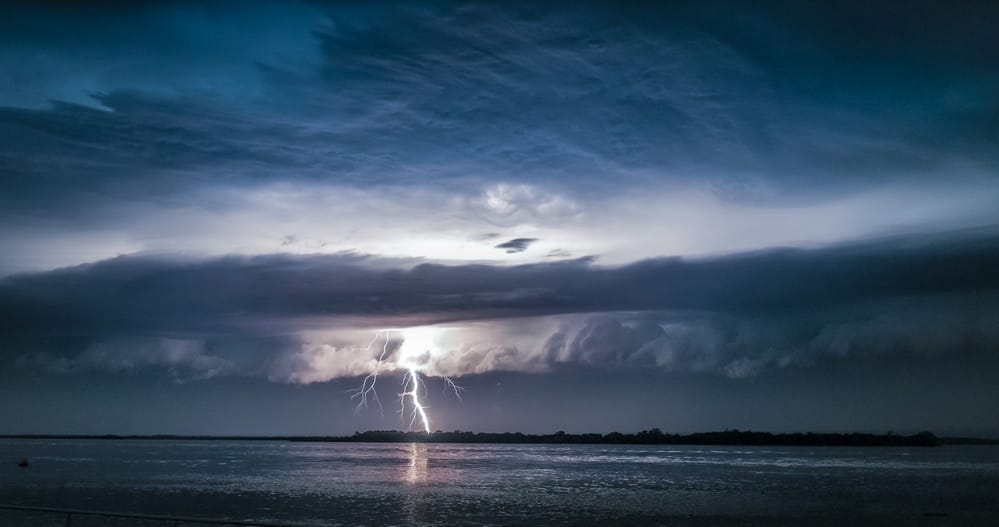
367	388
411	384
448	383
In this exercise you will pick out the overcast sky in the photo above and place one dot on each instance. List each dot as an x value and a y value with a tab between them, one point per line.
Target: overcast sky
596	216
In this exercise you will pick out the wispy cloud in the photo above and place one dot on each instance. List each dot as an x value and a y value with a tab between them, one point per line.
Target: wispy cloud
516	245
527	121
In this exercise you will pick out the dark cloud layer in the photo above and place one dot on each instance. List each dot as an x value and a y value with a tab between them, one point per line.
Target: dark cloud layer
278	293
879	320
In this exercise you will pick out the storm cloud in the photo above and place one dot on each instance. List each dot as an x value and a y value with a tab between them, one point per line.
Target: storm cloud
724	310
718	192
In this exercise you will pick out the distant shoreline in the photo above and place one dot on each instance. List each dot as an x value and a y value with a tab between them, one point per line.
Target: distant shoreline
646	437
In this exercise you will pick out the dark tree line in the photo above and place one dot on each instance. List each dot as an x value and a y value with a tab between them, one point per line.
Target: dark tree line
654	436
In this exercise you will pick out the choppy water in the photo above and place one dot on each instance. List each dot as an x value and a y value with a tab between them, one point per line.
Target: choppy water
402	484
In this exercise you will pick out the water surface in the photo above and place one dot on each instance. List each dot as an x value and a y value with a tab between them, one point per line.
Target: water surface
449	484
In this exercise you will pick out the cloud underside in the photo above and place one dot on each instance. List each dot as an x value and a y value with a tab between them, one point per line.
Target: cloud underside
308	318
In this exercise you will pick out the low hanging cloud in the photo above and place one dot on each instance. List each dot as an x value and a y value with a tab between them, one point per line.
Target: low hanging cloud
183	359
308	318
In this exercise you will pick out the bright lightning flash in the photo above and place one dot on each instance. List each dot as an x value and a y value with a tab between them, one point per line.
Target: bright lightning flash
412	384
414	354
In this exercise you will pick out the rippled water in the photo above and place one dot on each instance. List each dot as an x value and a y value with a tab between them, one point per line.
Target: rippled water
402	484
